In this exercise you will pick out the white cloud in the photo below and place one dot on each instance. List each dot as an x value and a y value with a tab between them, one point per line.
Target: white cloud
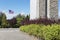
22	13
9	16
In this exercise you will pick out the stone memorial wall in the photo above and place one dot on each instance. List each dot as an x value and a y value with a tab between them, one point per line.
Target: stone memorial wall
43	9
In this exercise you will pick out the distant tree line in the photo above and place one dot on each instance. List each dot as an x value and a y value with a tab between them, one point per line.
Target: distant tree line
11	23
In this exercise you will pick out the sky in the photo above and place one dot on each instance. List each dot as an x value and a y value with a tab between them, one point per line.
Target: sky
59	8
18	6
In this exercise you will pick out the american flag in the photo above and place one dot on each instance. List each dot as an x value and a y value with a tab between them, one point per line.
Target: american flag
11	12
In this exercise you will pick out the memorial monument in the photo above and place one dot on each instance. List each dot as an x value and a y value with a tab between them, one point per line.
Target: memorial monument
43	9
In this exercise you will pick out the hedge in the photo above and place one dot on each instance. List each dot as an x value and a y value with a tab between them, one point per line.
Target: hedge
46	32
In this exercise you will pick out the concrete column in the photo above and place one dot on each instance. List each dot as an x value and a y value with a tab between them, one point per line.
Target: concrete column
48	8
42	8
52	9
34	9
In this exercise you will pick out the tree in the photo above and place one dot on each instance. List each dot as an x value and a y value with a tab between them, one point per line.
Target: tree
0	18
4	21
12	23
28	17
19	18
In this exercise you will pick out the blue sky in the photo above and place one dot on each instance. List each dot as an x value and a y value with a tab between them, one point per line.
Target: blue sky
18	6
59	8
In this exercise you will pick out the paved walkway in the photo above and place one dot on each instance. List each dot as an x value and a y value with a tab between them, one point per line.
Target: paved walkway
14	34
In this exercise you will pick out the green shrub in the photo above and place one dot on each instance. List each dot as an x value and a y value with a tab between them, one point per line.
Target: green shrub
49	32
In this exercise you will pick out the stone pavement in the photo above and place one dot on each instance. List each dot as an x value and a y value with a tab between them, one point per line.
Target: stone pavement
14	34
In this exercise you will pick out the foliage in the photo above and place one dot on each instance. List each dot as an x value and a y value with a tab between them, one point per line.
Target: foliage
1	17
3	21
19	18
38	21
28	17
12	23
46	32
51	32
